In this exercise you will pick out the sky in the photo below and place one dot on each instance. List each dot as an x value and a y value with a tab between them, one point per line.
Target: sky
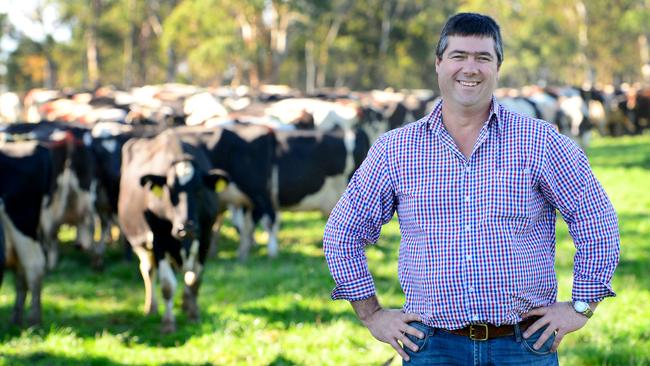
19	12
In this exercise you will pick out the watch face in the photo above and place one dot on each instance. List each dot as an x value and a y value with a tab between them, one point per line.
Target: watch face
580	306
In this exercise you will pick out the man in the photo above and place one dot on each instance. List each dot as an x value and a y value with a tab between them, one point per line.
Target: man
476	188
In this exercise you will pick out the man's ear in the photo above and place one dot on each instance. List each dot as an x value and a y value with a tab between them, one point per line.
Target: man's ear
216	179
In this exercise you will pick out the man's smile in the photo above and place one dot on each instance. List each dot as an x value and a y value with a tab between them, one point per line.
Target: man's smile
468	83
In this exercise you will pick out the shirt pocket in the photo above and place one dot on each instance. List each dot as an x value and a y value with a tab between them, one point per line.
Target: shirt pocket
414	212
511	194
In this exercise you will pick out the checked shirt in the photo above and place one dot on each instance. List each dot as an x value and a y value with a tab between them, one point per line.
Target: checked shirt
478	234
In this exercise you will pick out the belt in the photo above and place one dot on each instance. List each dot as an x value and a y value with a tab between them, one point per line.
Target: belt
483	332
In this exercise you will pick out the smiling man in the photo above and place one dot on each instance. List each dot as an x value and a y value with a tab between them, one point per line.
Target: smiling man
476	189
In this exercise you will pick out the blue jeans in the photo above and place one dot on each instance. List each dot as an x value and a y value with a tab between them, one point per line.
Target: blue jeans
443	348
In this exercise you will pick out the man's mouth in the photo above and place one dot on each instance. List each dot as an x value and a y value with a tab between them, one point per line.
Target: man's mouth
468	83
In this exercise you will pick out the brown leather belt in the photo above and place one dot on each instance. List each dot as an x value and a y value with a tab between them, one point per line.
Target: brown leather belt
483	332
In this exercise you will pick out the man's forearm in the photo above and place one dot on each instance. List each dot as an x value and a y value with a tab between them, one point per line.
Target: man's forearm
366	307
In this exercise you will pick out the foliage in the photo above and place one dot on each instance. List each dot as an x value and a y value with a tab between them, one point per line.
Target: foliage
312	44
278	312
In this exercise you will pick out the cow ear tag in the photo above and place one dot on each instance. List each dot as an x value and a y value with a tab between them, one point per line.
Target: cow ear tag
157	191
220	185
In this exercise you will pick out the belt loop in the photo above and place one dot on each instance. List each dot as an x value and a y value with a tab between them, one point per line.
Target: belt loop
517	333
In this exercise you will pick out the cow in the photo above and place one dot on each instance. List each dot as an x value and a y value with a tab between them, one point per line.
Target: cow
314	167
107	142
247	153
10	107
639	103
74	187
25	182
166	208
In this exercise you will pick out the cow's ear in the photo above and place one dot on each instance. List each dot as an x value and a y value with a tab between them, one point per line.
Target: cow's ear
156	182
216	179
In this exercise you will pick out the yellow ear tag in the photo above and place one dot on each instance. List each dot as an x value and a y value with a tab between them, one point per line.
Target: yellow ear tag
157	191
220	185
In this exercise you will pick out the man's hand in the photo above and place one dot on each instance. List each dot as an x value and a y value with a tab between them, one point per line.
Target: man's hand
388	325
560	317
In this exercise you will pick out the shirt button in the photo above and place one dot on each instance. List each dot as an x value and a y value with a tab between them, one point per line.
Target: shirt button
467	198
475	317
468	257
471	289
468	227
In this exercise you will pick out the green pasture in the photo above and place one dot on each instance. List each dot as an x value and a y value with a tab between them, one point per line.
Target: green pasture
278	312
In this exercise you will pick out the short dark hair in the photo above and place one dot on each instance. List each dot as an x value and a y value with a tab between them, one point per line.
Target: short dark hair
471	24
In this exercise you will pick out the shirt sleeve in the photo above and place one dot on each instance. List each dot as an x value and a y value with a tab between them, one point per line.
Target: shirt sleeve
569	184
367	204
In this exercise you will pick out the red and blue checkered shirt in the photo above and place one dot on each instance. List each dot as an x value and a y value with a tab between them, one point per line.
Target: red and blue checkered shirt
478	234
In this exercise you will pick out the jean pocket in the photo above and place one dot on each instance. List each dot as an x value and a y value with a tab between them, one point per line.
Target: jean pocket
545	349
420	342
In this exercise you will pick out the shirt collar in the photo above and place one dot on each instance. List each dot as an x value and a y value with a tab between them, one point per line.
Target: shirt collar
434	121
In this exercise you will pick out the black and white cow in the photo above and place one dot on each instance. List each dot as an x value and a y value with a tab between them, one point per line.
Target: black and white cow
74	186
314	167
25	182
167	206
247	153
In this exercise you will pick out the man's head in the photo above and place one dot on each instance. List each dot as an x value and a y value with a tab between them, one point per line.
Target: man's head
469	56
471	24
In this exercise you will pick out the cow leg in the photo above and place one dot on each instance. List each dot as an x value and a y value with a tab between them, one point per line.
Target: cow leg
49	228
148	272
271	227
246	234
35	284
193	268
168	286
21	294
190	303
99	242
29	276
214	238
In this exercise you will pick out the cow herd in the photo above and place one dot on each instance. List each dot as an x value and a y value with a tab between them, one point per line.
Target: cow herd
163	163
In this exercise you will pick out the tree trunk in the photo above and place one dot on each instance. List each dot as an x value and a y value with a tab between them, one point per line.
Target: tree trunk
324	52
310	68
644	56
583	43
128	46
92	51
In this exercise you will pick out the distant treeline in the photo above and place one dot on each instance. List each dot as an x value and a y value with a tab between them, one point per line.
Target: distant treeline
313	44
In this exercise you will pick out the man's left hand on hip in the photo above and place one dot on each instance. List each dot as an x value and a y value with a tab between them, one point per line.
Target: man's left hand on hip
560	317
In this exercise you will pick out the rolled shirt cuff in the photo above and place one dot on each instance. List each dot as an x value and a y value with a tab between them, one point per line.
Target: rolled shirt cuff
591	291
355	290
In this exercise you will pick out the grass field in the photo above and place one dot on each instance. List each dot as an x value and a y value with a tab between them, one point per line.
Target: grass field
278	312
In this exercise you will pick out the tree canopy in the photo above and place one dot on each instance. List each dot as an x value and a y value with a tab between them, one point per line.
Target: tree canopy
314	44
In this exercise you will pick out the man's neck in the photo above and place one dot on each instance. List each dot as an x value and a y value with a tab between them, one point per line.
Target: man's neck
464	125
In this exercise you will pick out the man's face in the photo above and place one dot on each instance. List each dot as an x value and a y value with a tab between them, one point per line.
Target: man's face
468	71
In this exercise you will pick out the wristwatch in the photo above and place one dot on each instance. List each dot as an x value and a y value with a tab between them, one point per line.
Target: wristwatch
583	308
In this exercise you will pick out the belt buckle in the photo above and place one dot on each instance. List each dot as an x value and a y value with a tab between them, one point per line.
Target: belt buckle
472	332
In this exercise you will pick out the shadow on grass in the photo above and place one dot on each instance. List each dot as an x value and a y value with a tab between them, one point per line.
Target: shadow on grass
298	314
130	327
281	361
49	359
